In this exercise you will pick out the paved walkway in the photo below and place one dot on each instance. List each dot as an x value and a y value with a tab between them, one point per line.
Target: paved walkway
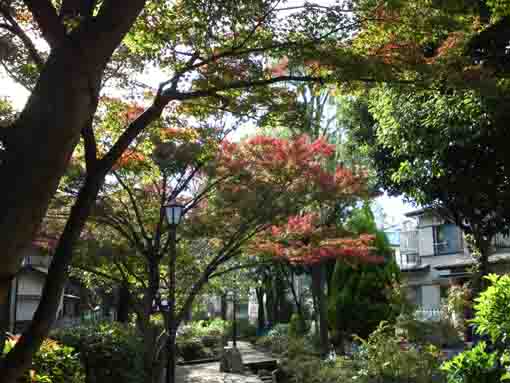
210	372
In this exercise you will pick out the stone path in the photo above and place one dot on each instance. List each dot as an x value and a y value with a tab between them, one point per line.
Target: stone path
210	372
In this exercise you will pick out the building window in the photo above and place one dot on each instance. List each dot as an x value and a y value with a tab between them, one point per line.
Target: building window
447	239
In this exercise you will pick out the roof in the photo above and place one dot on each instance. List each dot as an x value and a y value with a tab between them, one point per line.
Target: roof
33	268
495	258
70	296
422	267
417	212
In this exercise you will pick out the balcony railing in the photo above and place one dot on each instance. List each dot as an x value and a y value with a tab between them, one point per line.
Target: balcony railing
429	314
409	242
408	261
501	241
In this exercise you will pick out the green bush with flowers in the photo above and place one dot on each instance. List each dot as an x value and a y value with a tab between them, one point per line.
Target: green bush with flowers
53	363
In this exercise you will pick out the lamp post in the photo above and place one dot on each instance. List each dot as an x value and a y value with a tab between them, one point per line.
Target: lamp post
234	318
173	213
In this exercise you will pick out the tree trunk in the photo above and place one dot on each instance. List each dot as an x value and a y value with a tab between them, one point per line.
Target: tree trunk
223	308
270	302
19	359
44	136
46	133
261	317
479	282
5	310
149	331
123	304
318	291
281	311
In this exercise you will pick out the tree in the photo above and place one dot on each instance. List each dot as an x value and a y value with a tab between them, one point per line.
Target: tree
304	240
360	295
444	151
459	43
228	199
109	42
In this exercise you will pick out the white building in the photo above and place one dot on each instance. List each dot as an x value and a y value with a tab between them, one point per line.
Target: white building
434	254
26	291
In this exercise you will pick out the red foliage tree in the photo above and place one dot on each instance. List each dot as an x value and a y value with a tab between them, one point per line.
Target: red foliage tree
303	240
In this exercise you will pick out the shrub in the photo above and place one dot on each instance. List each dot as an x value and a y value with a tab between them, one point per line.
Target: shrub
491	308
201	339
440	334
110	352
472	366
381	356
246	329
276	341
297	327
279	330
491	319
53	363
215	328
193	349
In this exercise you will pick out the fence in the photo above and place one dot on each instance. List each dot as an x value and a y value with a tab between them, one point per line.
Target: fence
429	314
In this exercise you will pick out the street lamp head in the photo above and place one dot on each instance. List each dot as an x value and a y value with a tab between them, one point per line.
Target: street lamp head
174	213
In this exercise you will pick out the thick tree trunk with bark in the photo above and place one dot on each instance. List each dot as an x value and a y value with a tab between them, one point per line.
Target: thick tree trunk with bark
20	358
40	143
318	291
223	306
484	247
297	300
149	331
123	305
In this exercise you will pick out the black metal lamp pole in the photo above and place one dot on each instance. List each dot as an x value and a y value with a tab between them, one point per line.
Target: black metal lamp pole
170	375
234	321
174	213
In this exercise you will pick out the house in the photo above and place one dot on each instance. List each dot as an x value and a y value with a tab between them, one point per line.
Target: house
26	291
393	234
434	255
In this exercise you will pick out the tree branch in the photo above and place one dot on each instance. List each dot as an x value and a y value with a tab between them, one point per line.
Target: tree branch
89	142
132	199
239	267
240	84
48	21
97	272
134	128
15	29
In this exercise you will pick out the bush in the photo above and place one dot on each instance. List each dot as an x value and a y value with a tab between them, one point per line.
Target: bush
473	366
279	330
440	334
277	339
215	328
246	329
53	363
297	327
491	308
491	320
110	352
193	349
381	356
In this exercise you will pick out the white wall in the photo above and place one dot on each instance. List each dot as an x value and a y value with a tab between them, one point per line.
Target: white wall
30	283
25	309
425	241
430	296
